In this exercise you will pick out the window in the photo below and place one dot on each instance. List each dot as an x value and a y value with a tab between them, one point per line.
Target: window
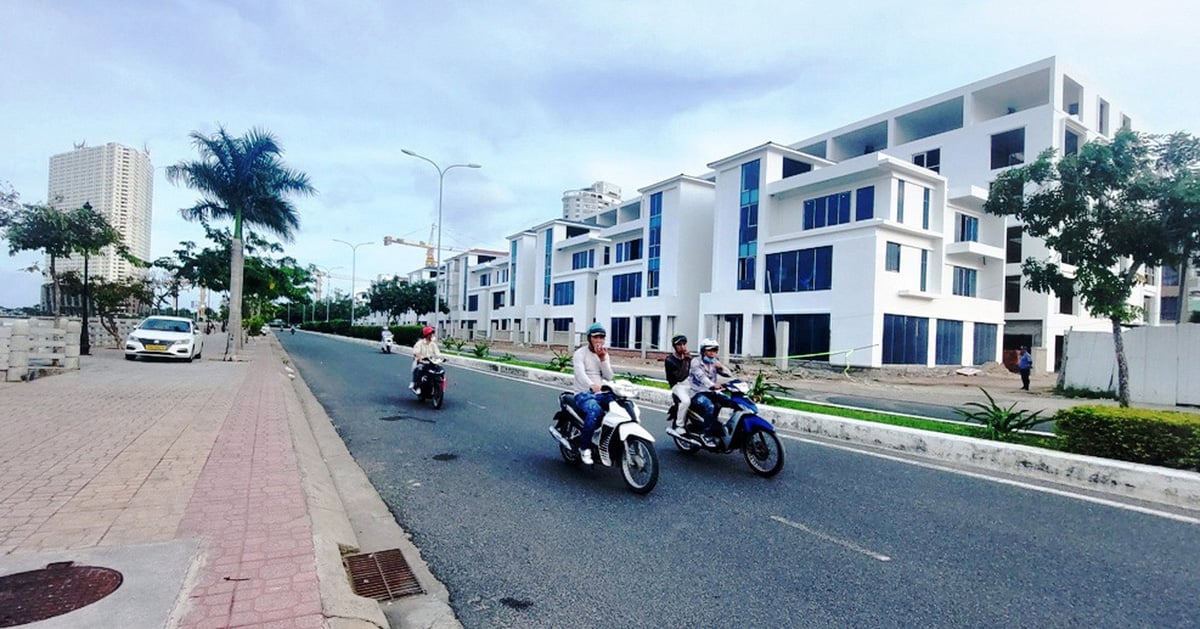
949	342
1102	121
892	257
654	255
606	250
498	299
827	211
967	228
1066	301
1012	249
1008	148
800	270
926	194
583	259
472	303
564	293
1012	293
549	258
748	226
792	167
900	201
905	340
808	335
864	203
562	324
985	343
512	281
964	281
485	279
619	337
629	250
654	332
1071	143
924	269
626	287
931	159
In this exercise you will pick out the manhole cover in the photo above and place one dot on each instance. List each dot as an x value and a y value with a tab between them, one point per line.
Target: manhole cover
52	591
381	575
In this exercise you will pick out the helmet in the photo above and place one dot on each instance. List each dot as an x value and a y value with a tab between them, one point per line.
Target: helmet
677	339
426	331
709	344
596	329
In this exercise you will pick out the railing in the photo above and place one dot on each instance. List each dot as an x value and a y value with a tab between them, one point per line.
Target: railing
29	346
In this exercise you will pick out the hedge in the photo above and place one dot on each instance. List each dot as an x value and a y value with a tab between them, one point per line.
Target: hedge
406	335
1155	437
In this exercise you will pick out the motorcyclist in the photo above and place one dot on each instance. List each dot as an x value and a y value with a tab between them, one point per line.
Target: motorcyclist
703	380
385	336
592	368
678	367
425	349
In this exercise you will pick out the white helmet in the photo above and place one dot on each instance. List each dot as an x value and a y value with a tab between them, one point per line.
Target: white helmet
709	344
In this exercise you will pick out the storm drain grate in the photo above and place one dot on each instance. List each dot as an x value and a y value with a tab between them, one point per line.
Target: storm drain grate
52	591
382	575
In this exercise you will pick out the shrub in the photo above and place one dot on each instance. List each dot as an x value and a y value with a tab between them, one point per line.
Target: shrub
560	361
1137	435
254	325
455	344
1091	394
480	350
1001	421
635	378
763	391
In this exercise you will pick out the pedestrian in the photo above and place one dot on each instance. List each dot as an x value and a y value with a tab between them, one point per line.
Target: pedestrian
1024	365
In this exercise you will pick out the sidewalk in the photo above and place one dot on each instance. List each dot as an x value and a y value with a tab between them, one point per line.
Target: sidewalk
202	484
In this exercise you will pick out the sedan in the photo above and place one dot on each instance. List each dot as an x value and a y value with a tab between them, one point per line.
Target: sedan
166	337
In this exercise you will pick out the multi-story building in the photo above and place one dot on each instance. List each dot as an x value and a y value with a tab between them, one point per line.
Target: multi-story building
118	182
581	204
867	245
456	290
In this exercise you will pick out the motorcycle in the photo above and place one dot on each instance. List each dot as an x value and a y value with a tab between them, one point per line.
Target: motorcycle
619	440
431	381
385	342
744	430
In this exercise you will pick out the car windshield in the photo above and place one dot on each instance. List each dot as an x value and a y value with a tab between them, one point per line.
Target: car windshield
166	325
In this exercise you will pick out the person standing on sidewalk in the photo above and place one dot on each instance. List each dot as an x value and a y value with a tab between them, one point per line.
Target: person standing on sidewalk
592	368
678	367
1024	365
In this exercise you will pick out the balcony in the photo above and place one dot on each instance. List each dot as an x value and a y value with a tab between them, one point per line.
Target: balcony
970	248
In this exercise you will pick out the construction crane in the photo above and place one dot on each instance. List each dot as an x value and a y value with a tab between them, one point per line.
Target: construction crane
429	259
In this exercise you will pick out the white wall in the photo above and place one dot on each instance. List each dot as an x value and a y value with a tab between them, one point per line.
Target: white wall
1162	363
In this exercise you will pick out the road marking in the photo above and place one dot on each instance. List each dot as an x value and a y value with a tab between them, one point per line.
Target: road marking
829	538
1004	481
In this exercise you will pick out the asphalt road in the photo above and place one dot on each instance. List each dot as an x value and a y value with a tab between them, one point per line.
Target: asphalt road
837	539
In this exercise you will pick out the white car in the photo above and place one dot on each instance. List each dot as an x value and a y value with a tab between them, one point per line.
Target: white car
166	337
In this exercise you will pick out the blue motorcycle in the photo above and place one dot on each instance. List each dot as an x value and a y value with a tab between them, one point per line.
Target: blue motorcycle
743	430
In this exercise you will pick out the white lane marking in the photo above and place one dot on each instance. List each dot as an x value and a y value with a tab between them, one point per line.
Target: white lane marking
829	538
1004	481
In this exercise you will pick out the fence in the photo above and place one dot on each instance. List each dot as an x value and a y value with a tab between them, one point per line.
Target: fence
1162	363
30	346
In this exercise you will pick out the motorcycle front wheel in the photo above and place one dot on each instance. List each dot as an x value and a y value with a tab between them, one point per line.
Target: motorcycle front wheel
763	452
639	465
568	454
437	396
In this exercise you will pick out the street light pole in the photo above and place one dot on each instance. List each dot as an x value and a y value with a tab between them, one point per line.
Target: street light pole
327	272
353	268
437	287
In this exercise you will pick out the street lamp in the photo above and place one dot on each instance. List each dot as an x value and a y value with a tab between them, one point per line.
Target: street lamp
353	268
437	287
326	271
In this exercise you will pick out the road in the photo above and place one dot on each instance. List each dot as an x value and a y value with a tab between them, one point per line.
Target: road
838	539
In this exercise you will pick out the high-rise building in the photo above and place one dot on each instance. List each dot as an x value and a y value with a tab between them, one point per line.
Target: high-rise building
581	204
118	182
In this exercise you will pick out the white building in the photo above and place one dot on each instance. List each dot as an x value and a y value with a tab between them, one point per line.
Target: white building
118	182
868	244
581	204
456	291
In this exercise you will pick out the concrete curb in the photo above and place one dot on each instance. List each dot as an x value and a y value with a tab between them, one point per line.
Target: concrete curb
354	518
1176	488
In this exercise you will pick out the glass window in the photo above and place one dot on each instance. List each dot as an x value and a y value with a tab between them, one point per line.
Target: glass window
1008	148
1012	250
498	299
564	293
864	203
900	201
619	337
892	258
808	336
924	270
905	340
1012	293
967	229
1066	301
964	281
985	343
949	342
800	270
472	303
627	287
931	159
748	226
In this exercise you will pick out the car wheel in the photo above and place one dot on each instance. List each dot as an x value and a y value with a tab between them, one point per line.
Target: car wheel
130	357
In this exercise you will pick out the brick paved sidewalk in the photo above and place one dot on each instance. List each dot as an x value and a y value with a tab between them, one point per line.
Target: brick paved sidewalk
141	457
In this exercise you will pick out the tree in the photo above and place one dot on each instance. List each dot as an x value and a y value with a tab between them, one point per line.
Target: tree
110	299
1107	209
242	179
392	297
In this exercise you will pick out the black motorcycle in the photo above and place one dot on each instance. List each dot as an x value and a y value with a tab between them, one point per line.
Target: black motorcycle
431	381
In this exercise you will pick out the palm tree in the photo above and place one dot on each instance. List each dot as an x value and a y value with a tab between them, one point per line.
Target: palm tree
245	180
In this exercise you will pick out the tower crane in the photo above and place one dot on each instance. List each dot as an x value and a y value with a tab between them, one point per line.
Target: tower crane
429	259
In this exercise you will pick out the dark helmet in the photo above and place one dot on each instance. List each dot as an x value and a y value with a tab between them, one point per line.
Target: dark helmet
678	338
596	329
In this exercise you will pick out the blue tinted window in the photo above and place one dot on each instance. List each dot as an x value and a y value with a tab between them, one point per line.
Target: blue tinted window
967	229
833	209
808	336
925	209
626	287
964	281
564	293
800	270
949	342
472	303
748	226
864	204
619	337
985	343
900	201
892	257
924	269
905	340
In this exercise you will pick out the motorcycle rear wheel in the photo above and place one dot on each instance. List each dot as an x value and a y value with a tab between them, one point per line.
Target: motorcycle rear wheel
763	452
685	446
568	454
437	396
639	465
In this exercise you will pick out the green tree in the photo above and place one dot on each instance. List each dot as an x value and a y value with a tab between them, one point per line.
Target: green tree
1106	209
111	299
242	179
392	297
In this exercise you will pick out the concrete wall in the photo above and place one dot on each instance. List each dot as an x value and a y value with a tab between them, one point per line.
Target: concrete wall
1162	363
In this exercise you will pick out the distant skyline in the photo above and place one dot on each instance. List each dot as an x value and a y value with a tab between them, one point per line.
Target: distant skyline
546	96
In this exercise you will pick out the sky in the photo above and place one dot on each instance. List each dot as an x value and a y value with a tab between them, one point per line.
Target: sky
546	96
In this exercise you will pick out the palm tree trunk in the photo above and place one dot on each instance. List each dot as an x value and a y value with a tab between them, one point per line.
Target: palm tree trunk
1122	364
236	261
